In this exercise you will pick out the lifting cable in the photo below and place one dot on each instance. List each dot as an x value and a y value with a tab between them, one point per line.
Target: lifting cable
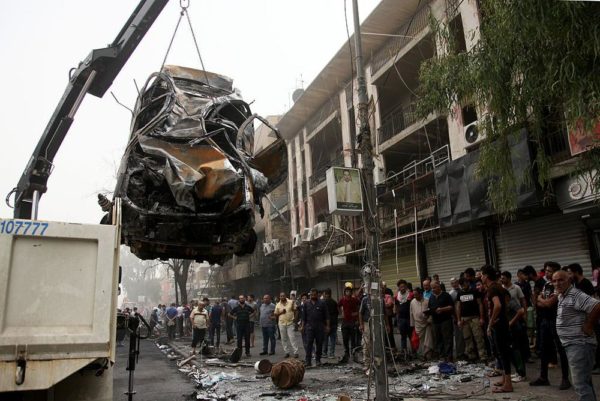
184	4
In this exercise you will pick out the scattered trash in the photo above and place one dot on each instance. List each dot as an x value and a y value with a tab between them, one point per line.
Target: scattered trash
447	368
433	370
209	381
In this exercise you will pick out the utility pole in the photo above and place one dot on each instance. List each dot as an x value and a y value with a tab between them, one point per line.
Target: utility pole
371	271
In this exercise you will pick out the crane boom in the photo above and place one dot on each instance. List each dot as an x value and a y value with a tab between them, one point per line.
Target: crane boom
94	75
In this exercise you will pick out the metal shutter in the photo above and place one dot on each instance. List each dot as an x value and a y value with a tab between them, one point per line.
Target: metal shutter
559	237
405	268
450	256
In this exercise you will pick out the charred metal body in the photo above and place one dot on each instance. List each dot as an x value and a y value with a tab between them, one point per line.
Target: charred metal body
190	178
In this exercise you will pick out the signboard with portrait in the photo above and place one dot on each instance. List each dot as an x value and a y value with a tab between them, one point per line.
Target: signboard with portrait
344	191
582	139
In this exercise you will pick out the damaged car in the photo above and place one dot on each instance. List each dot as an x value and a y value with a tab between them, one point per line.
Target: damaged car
192	176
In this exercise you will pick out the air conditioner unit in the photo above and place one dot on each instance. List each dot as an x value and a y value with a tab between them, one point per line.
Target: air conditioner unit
307	235
267	248
472	135
319	230
276	244
297	241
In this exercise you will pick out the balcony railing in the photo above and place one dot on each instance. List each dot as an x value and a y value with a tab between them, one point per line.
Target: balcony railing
405	34
417	169
280	202
320	171
394	122
324	111
557	147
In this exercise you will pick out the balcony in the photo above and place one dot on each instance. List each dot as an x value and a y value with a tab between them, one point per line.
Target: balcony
397	120
280	202
417	169
406	33
324	112
319	172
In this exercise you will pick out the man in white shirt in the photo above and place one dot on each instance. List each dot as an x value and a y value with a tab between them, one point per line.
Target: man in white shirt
199	319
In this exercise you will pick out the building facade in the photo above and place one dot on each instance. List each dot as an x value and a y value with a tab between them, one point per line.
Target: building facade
433	213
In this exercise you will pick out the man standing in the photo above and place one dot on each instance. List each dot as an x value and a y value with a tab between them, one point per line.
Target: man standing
516	294
331	338
581	283
421	321
349	305
215	318
459	340
441	308
364	319
199	320
547	304
241	314
470	317
426	289
253	317
315	324
285	311
403	299
171	318
267	323
231	304
498	328
577	313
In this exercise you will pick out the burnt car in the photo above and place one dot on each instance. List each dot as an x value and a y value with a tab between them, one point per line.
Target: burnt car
191	180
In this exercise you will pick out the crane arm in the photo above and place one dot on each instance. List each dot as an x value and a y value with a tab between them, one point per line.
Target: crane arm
94	75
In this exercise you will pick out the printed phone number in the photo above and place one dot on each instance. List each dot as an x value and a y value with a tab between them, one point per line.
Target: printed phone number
23	227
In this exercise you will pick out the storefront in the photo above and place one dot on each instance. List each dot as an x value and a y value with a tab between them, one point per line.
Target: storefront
558	237
451	255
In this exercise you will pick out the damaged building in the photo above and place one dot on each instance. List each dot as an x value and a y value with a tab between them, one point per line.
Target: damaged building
432	210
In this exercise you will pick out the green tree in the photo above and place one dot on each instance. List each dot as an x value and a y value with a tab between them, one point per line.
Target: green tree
536	66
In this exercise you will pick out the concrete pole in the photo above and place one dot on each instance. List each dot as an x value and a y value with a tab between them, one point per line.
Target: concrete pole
371	271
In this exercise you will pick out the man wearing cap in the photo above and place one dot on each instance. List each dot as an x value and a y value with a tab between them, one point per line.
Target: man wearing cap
314	324
348	305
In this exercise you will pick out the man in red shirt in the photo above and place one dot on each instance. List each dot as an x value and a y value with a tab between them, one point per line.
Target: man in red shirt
348	306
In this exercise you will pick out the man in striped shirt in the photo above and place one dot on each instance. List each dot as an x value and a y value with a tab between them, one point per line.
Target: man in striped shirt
577	313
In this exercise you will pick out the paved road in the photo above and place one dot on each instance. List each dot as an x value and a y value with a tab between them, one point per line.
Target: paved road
156	377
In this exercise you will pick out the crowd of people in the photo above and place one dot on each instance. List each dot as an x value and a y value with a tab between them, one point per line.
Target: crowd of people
483	316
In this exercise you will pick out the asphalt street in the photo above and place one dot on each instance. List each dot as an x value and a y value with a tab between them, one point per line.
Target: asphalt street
156	377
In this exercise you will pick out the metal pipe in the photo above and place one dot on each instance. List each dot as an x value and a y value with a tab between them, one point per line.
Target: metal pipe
82	94
35	201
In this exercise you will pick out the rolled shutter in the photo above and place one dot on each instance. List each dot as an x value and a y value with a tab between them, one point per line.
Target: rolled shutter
450	256
560	238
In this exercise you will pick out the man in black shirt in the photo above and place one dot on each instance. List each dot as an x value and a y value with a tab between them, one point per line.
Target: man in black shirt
441	309
581	283
331	338
315	325
241	314
498	328
469	314
547	303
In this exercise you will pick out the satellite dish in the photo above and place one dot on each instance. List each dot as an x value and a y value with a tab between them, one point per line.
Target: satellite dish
297	94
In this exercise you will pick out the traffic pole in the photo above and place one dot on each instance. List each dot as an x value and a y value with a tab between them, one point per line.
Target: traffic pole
370	271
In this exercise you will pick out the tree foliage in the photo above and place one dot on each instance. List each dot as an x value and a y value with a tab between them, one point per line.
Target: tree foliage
536	66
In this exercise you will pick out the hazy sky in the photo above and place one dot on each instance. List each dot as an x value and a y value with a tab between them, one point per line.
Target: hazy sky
266	46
